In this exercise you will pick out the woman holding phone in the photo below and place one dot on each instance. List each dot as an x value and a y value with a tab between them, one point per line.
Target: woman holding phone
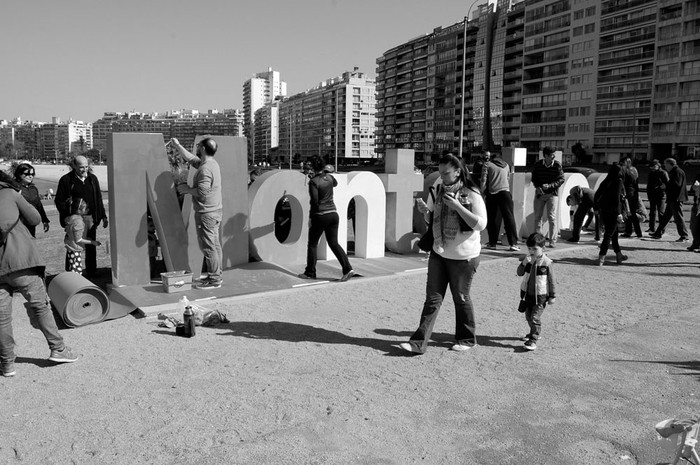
459	216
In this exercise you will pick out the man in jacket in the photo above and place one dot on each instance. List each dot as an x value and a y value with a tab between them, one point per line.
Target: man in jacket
676	195
656	193
79	184
547	177
584	200
22	270
495	186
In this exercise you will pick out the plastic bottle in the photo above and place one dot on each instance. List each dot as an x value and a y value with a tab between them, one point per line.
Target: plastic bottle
183	303
188	318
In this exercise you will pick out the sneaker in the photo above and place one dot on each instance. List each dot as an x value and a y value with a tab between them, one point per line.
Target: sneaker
528	337
408	347
514	248
650	231
8	369
530	345
682	239
490	246
63	356
209	284
459	347
305	276
347	276
655	236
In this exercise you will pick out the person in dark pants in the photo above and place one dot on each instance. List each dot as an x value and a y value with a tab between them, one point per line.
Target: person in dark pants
495	186
631	182
695	216
656	193
324	220
79	184
676	195
584	198
608	203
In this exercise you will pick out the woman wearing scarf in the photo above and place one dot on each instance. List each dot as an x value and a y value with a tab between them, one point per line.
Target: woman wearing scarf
459	216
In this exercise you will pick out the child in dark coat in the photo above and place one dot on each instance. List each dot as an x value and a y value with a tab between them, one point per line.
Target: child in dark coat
537	287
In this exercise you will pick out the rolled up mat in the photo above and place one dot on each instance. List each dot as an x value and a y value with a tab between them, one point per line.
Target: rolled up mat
77	300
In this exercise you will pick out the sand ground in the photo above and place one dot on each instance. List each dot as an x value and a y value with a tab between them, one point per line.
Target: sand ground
312	375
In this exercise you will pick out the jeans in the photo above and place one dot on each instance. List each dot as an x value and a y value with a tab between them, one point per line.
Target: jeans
657	205
30	284
458	274
499	206
533	315
633	220
209	243
674	209
546	202
327	224
610	234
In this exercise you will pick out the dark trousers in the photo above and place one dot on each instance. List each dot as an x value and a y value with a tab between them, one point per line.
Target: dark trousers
695	227
499	207
633	220
579	216
90	250
610	234
674	209
458	274
327	224
657	206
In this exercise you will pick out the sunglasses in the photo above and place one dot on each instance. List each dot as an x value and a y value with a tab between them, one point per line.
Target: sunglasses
27	174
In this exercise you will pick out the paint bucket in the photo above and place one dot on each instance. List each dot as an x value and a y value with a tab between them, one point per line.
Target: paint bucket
77	300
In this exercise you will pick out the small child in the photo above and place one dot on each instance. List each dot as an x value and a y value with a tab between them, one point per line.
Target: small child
537	287
75	237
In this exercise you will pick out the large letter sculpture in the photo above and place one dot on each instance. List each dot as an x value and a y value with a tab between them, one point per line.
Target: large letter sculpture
138	175
400	182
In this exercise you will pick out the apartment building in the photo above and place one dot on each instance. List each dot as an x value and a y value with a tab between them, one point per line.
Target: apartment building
604	79
335	119
260	90
185	125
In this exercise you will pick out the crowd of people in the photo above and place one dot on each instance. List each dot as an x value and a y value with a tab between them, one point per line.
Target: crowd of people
464	205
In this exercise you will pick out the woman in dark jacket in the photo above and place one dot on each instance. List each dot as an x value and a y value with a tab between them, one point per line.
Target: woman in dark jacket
24	175
609	200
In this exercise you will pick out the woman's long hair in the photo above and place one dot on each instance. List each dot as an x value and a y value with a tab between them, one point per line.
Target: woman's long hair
456	163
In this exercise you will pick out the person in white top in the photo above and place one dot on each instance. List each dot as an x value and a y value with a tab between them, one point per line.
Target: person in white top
459	216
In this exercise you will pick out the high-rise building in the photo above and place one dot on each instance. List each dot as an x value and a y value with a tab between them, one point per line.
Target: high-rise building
335	120
597	79
56	140
259	91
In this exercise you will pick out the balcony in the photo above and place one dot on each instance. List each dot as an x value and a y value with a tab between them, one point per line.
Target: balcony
640	129
630	40
626	59
626	77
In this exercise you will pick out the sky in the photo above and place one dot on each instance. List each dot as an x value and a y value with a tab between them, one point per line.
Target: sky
80	58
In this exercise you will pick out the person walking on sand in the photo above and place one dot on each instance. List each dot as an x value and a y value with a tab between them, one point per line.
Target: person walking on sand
537	287
676	195
22	271
495	187
609	199
324	219
459	216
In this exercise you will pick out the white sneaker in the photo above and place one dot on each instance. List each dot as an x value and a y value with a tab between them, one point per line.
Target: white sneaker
461	347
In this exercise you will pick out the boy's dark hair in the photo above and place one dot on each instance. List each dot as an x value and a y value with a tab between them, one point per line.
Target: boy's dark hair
535	239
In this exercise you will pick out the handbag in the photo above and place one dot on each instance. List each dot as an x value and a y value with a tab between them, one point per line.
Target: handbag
522	306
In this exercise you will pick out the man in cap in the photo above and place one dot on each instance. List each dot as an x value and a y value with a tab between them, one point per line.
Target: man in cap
656	193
